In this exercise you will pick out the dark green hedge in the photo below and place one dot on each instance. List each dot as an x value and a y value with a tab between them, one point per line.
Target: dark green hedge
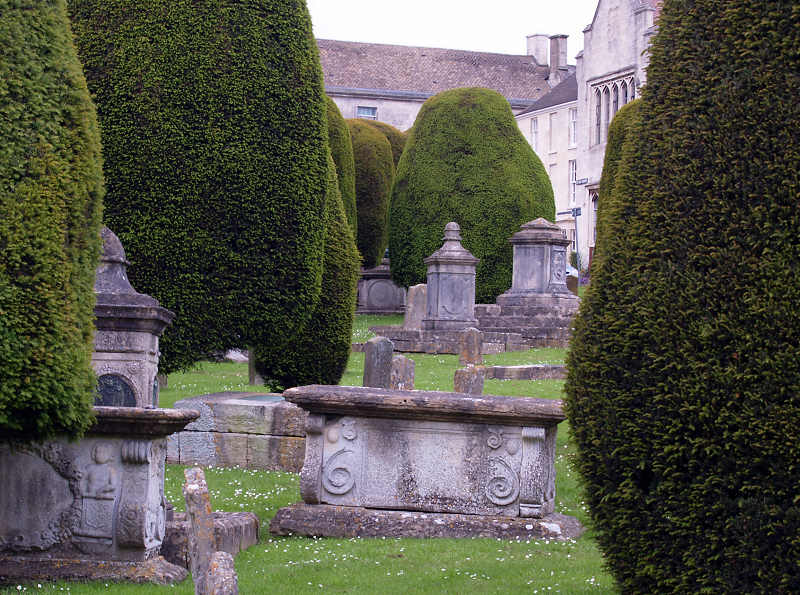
683	392
319	355
374	176
465	161
342	150
215	148
607	211
395	137
51	191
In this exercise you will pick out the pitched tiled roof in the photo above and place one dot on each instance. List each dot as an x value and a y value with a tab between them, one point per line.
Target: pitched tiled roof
374	66
565	91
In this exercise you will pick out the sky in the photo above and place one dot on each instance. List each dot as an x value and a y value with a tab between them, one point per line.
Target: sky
495	26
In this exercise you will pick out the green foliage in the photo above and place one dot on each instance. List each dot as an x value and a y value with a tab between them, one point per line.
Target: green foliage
319	354
215	150
465	161
395	137
684	368
342	150
51	191
374	176
608	211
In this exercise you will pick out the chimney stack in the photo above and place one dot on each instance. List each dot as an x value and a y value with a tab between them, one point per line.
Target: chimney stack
558	57
538	46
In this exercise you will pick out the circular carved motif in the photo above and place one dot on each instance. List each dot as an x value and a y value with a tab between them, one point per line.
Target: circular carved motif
503	485
454	294
381	294
336	477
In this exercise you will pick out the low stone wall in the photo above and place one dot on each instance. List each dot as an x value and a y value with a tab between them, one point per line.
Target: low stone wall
251	430
533	372
447	341
233	532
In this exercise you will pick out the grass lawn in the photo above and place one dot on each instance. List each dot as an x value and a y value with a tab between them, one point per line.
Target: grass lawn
301	565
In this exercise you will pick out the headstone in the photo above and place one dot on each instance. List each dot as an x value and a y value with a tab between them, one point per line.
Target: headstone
470	348
572	284
201	527
378	362
254	378
221	578
402	376
128	325
469	380
416	306
451	285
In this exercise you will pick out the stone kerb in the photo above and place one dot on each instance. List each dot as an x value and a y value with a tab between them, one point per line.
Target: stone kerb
418	451
92	509
451	284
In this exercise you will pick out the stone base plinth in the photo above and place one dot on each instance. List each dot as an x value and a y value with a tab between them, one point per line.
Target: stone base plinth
545	322
322	520
447	341
233	532
22	569
251	430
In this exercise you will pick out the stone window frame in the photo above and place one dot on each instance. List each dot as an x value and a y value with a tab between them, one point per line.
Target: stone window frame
610	95
535	134
363	110
573	127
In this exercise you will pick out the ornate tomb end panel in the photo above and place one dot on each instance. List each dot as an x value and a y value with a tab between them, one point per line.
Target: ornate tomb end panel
114	390
421	465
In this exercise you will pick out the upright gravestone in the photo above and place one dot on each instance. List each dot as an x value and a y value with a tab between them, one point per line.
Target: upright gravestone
469	353
469	380
128	324
451	285
416	307
402	375
378	362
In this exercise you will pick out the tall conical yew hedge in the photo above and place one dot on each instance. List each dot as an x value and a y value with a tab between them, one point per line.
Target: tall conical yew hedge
396	138
374	175
465	161
341	146
215	148
51	190
319	354
683	391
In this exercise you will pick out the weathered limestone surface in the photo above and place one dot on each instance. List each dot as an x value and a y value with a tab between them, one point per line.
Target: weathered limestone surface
416	306
233	533
469	380
470	347
82	507
402	377
532	372
378	362
348	521
201	545
221	576
128	325
451	284
252	430
448	341
428	451
377	293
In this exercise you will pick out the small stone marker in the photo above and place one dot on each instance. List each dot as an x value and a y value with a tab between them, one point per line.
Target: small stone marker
202	544
469	380
378	362
470	347
416	306
221	578
254	377
402	376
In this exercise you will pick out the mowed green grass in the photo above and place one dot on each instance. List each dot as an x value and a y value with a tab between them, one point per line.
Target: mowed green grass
304	565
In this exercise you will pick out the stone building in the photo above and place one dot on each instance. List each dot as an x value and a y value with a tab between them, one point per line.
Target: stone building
391	82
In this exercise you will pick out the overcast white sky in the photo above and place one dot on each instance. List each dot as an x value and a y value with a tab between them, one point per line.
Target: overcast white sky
494	26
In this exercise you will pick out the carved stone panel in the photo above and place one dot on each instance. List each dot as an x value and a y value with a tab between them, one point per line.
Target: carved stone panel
114	390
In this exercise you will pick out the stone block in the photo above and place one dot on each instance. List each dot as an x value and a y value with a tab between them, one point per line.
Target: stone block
378	362
233	532
470	344
469	380
416	306
275	453
402	376
377	293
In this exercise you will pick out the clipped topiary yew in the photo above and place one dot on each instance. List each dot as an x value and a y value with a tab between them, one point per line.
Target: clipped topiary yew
319	354
683	391
374	176
395	137
465	161
215	148
341	146
51	190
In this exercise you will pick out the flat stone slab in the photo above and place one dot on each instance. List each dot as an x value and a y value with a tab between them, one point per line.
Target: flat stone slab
532	372
156	570
251	430
233	532
321	520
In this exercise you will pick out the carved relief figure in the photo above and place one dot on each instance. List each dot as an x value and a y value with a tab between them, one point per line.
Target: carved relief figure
98	492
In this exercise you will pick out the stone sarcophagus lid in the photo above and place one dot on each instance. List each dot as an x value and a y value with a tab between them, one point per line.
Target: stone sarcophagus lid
428	451
128	325
92	508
